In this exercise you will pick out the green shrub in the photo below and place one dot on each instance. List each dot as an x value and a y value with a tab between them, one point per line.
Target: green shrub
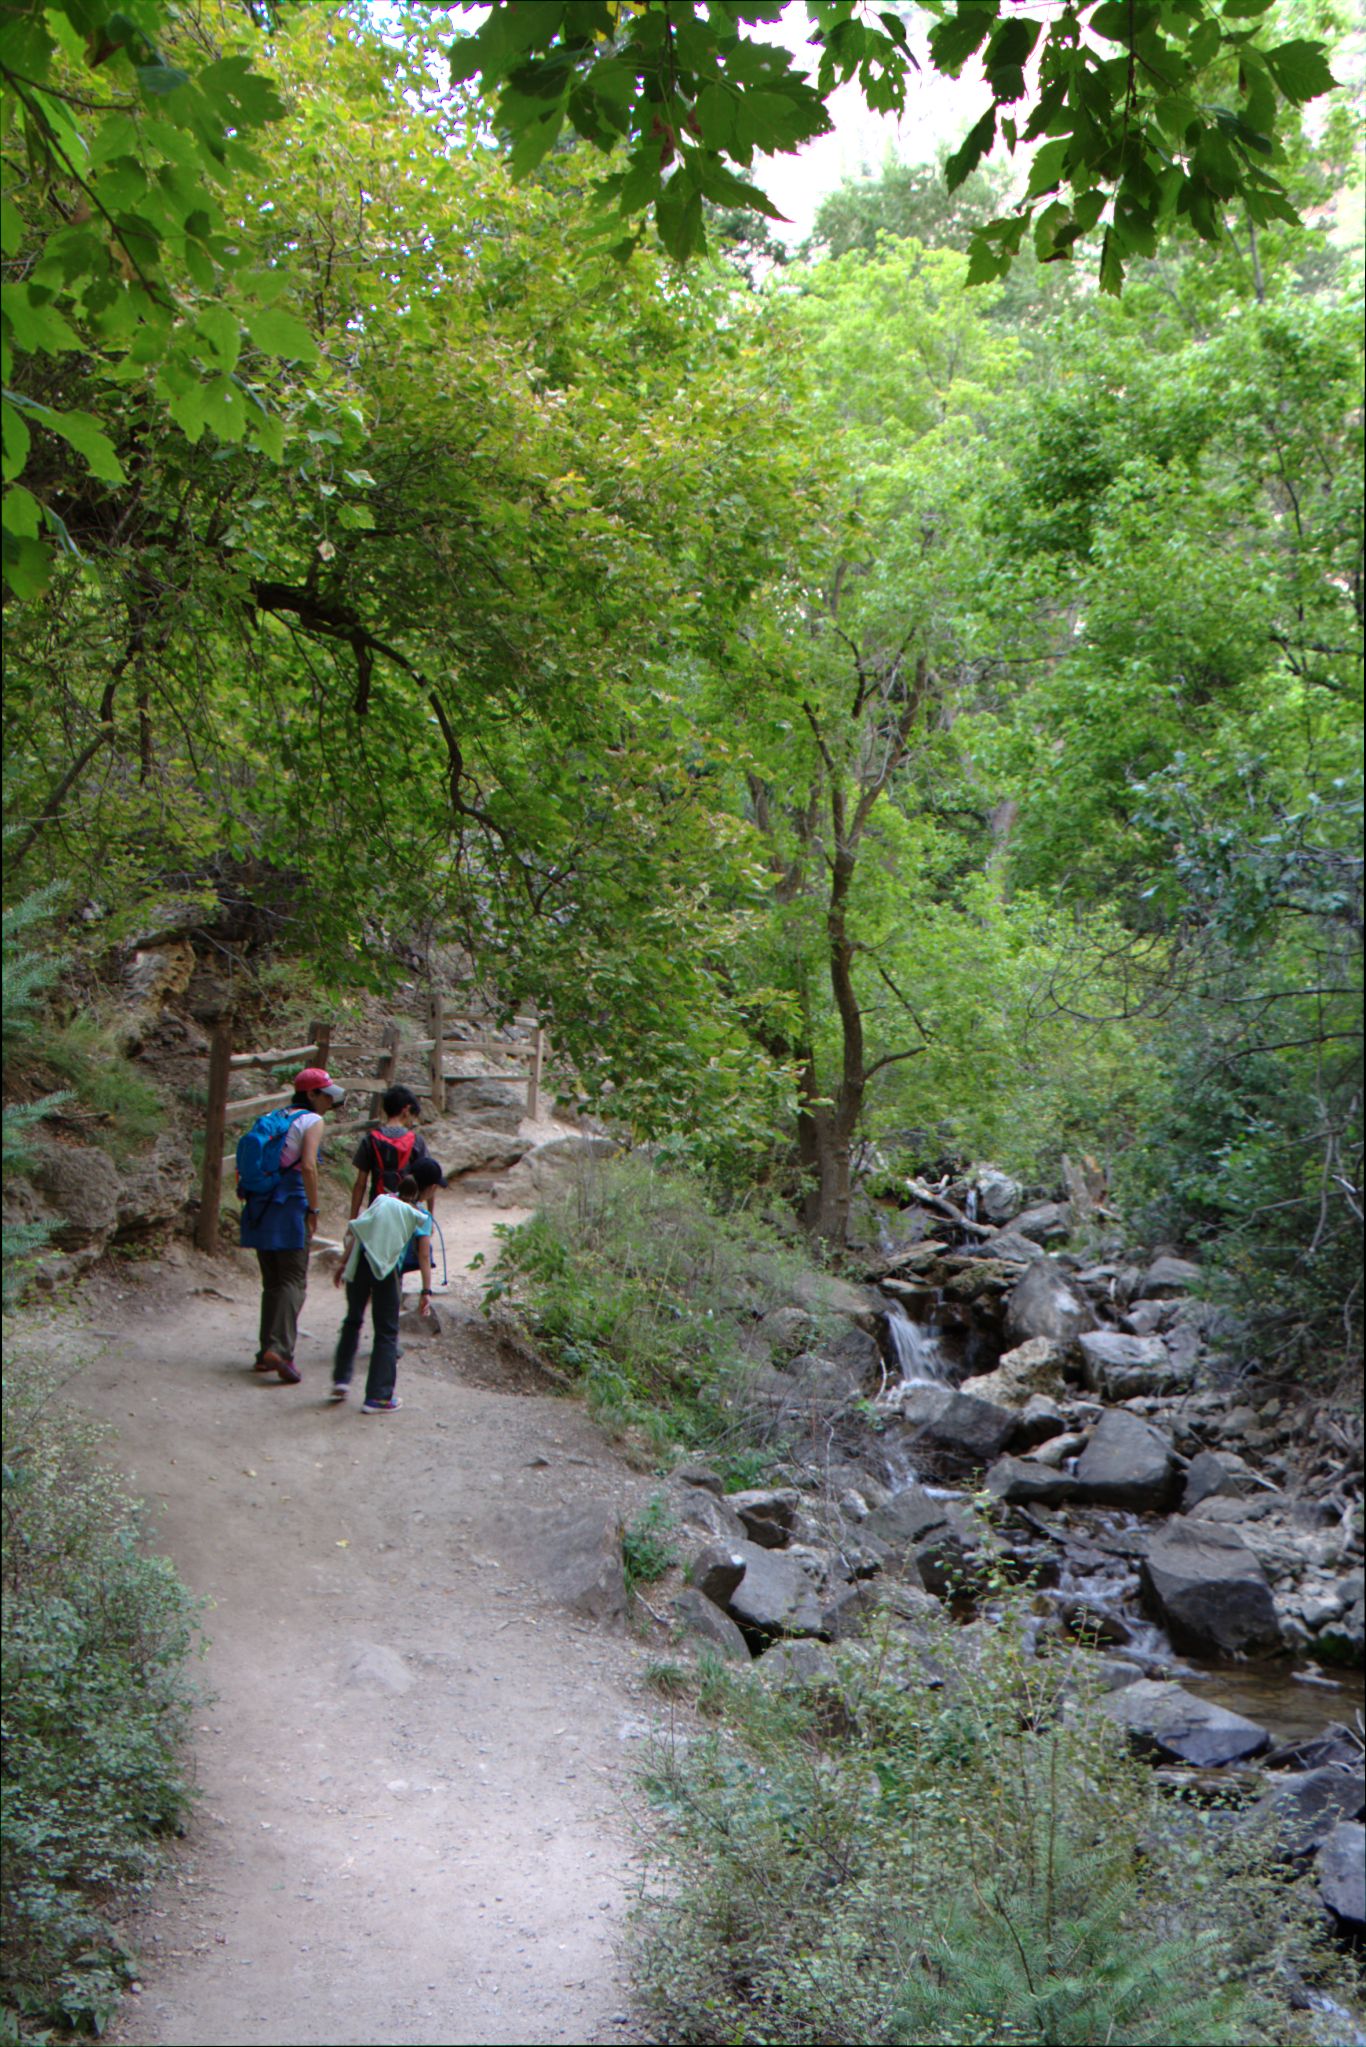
646	1550
96	1704
946	1843
27	971
634	1285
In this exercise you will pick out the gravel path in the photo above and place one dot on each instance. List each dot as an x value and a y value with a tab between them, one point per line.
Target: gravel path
416	1772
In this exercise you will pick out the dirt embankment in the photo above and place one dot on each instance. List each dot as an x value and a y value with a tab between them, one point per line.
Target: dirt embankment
416	1770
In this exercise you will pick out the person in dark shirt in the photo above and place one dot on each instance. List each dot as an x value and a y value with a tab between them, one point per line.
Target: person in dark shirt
388	1150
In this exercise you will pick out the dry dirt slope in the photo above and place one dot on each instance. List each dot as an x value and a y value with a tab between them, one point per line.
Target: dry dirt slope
417	1771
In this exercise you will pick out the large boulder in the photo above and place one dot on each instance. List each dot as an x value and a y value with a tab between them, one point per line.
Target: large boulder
577	1556
1045	1224
467	1147
1127	1463
81	1185
1342	1875
998	1196
769	1514
708	1515
1168	1277
547	1167
968	1430
1163	1720
774	1596
1215	1472
1208	1589
494	1104
1019	1482
1304	1807
937	1537
709	1628
717	1570
1033	1367
1122	1367
1043	1304
154	1188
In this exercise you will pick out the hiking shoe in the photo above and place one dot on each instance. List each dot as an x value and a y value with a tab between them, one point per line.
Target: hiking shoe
380	1406
290	1374
263	1363
338	1391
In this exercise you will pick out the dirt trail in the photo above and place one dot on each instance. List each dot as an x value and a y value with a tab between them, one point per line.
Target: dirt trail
416	1768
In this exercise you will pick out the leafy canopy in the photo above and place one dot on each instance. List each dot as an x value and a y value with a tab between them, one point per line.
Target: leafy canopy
1147	112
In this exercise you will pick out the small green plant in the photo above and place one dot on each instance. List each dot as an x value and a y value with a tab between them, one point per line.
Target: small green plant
670	1680
96	1634
27	971
646	1551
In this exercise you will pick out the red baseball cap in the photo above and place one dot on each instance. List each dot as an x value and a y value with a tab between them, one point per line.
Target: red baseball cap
315	1080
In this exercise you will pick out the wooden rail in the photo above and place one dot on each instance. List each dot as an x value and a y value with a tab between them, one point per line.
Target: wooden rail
224	1063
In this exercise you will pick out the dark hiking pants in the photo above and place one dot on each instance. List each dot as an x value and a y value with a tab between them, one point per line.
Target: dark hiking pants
382	1295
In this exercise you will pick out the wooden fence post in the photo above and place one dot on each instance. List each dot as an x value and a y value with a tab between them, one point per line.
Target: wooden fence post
215	1123
438	1030
322	1042
533	1091
385	1068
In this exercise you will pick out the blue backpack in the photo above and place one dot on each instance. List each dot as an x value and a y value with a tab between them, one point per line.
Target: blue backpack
258	1153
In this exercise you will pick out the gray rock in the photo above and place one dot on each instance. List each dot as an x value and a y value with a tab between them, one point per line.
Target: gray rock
372	1667
821	1293
774	1595
466	1147
1208	1589
1055	1450
154	1188
1040	1418
969	1429
938	1537
1014	1248
1123	1367
1215	1472
1043	1304
549	1166
998	1196
1045	1223
1168	1277
702	1476
496	1104
923	1401
1146	1318
769	1514
717	1570
1031	1367
578	1559
1018	1482
855	1353
1163	1720
1127	1463
849	1608
1305	1807
81	1184
1342	1874
798	1663
824	1383
712	1517
706	1624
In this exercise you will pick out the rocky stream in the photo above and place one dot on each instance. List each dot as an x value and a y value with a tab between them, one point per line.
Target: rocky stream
1002	1401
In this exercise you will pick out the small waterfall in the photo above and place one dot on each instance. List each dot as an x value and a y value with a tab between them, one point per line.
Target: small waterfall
916	1347
970	1205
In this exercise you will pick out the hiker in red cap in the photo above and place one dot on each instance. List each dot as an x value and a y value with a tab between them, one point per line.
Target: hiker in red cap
278	1185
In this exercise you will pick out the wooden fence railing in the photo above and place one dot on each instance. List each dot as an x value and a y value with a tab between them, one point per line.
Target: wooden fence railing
223	1109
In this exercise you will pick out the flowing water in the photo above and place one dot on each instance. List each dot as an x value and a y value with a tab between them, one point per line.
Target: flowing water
917	1349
